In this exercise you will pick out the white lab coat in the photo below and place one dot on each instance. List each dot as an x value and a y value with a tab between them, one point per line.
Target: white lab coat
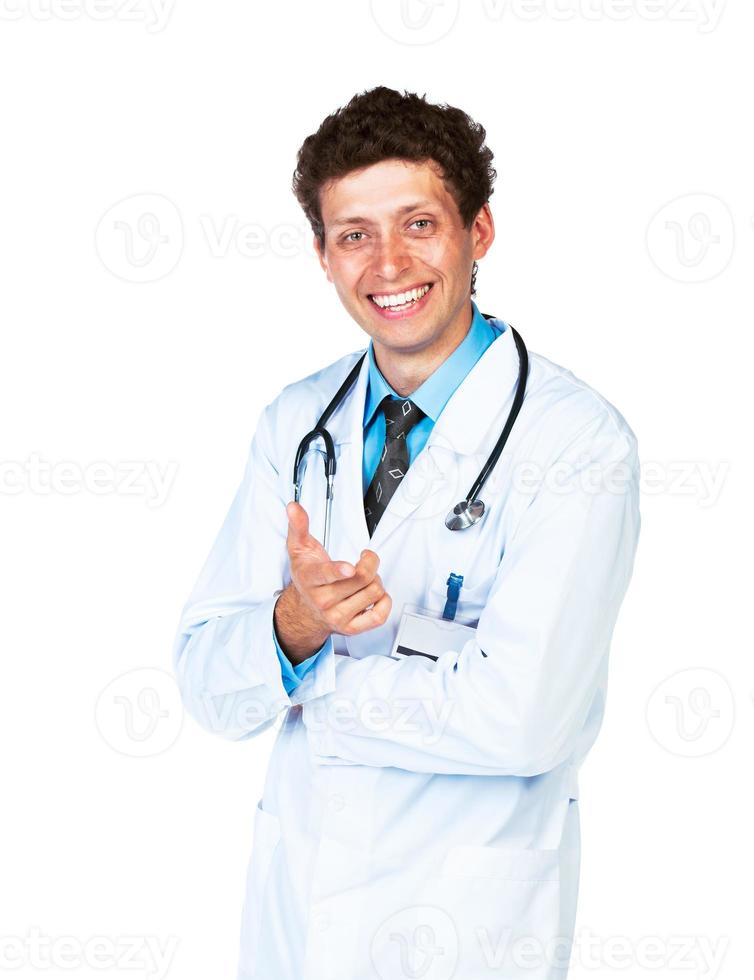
419	818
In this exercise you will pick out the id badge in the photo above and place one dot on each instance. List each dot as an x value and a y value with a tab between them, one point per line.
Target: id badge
423	634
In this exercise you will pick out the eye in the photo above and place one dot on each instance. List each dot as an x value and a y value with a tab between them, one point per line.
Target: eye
424	222
350	237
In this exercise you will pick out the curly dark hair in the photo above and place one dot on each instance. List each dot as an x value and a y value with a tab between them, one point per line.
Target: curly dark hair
381	124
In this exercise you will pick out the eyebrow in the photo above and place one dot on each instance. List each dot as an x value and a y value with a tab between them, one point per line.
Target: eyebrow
358	220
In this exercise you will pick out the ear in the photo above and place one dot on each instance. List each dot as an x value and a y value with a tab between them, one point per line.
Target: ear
322	259
483	231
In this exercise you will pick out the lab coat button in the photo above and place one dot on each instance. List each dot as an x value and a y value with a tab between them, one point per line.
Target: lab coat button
337	802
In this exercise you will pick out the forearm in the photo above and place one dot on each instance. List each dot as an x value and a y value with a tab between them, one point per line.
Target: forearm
515	700
464	714
228	672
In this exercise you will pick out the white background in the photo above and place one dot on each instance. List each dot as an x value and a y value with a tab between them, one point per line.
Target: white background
624	209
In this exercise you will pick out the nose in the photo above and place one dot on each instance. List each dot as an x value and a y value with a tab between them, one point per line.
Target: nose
391	258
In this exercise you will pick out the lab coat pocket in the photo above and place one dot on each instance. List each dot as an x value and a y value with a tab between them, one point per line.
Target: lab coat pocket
471	599
265	842
505	904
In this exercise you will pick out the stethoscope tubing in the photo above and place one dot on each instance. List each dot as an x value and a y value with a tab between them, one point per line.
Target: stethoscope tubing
518	400
320	432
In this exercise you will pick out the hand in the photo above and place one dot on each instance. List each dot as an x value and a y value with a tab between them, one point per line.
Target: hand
325	596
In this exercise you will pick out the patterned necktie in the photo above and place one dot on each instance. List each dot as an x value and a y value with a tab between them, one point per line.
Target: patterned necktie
401	415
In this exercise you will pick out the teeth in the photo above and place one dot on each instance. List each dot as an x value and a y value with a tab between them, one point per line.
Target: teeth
400	299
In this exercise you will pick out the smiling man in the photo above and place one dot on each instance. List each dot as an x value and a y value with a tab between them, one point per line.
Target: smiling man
440	687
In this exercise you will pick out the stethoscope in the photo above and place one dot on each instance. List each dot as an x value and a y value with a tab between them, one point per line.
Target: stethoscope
466	512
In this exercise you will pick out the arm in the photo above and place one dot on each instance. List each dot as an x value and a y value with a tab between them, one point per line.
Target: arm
225	654
516	698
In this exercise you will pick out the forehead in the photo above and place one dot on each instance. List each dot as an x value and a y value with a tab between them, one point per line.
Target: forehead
383	190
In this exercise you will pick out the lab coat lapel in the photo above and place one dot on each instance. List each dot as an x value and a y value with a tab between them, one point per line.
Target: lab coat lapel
468	426
415	489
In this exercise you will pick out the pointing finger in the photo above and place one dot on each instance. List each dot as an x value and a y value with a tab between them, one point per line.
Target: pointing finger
327	572
368	562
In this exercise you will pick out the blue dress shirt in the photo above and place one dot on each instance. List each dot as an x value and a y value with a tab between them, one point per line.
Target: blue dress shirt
431	397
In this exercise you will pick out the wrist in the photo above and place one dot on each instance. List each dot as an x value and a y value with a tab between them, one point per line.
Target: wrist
297	632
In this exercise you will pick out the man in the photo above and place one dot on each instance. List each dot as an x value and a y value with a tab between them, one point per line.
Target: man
419	815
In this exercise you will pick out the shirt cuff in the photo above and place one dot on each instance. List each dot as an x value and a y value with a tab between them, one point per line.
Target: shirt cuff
292	676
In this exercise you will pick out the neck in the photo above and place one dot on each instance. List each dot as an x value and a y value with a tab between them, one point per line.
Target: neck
405	371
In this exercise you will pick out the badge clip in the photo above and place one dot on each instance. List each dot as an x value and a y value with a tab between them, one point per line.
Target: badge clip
454	583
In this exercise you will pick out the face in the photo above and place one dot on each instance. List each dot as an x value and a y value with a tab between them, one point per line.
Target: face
398	255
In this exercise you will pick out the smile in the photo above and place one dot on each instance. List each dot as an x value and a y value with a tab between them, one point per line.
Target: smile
397	302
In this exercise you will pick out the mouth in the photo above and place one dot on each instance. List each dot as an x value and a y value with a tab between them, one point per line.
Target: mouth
397	305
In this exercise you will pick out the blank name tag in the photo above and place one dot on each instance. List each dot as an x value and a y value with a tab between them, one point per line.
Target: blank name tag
426	636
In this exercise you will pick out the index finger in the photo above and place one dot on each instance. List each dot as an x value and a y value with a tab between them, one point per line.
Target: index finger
369	562
326	572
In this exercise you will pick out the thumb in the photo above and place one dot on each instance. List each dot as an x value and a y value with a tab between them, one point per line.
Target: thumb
298	524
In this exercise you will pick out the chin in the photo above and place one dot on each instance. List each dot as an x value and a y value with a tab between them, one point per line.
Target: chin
408	342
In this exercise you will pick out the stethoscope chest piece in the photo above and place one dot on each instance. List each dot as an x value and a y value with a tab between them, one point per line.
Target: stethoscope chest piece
464	514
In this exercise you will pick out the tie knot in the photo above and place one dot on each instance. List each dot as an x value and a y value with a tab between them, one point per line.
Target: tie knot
401	415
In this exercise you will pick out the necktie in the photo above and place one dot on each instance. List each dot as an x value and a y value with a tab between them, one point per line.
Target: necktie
401	415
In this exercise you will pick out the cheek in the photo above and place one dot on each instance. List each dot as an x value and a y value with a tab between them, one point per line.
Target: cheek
345	273
436	253
352	266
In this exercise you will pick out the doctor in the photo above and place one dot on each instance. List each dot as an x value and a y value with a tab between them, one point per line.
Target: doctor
419	814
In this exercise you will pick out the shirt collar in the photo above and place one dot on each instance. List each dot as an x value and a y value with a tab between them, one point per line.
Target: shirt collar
433	394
